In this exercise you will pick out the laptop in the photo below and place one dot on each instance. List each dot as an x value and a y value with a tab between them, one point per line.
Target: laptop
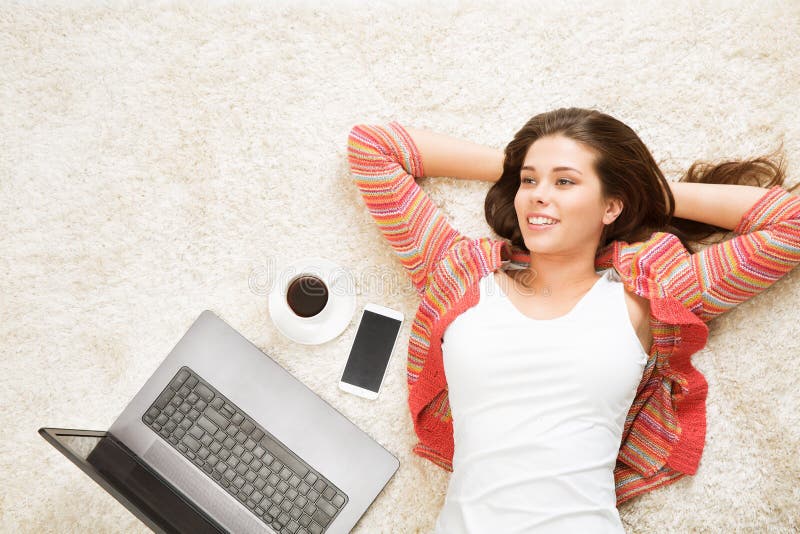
221	438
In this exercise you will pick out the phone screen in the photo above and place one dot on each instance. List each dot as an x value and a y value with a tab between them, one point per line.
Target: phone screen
371	350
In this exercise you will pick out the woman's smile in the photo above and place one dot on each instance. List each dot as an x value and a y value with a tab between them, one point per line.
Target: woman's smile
540	227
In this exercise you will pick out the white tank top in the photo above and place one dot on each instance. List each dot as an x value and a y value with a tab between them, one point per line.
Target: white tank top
538	411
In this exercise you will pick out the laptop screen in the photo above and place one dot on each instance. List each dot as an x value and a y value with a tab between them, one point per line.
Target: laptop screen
119	472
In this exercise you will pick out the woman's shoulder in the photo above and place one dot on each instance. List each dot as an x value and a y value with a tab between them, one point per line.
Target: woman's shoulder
665	242
661	250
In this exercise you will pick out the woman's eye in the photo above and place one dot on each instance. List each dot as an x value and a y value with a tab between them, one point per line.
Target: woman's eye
559	181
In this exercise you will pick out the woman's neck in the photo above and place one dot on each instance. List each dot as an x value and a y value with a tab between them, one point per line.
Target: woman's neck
558	275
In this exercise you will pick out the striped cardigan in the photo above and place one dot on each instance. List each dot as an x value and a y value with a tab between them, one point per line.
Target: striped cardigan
664	431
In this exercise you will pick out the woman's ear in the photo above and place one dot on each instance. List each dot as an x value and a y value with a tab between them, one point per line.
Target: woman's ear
613	209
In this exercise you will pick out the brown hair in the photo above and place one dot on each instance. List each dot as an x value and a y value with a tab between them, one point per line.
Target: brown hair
627	171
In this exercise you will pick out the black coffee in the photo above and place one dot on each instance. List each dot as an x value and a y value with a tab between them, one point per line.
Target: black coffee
307	296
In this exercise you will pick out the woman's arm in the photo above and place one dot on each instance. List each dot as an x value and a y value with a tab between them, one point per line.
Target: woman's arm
384	160
766	247
722	205
452	157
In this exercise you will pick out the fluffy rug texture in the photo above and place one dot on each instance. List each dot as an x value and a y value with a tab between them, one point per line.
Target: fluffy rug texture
159	159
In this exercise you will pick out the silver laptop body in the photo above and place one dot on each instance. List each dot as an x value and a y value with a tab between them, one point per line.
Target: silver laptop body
353	463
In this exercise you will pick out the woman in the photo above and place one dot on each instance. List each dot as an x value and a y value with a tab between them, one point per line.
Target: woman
550	370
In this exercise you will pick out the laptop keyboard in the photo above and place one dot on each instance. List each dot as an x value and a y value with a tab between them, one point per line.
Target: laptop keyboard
242	457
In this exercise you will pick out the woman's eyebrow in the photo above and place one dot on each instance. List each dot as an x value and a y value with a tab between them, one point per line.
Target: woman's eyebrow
531	168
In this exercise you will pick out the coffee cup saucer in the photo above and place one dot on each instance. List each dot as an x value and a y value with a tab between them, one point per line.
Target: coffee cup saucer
332	320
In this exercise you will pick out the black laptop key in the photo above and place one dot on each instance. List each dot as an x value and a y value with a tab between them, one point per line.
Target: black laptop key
321	517
283	455
248	427
190	442
204	393
179	379
164	398
217	418
326	507
242	457
206	425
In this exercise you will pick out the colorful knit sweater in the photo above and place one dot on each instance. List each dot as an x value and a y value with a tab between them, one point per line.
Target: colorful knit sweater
664	431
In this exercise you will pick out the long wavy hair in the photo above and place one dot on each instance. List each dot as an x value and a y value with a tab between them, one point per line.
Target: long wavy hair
627	171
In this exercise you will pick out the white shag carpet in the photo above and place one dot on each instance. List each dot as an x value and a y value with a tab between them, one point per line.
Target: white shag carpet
158	159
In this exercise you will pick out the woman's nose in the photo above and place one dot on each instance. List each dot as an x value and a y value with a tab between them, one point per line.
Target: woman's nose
542	194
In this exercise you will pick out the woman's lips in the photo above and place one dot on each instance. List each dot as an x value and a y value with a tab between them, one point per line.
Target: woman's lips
541	227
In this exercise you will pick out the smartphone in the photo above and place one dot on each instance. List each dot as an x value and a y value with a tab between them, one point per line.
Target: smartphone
376	337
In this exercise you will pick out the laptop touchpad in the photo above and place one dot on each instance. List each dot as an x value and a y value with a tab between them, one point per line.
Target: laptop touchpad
202	490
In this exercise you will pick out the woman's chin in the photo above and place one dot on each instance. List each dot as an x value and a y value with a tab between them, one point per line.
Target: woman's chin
540	242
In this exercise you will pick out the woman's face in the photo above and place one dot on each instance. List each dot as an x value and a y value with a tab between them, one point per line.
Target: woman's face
558	182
